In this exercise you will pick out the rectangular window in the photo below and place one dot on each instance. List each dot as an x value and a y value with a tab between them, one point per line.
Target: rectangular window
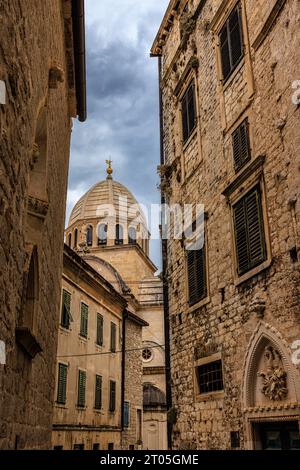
196	268
81	388
78	446
98	392
65	309
84	320
99	338
210	377
96	446
126	414
62	384
112	396
231	43
113	336
188	110
241	145
249	231
110	446
139	426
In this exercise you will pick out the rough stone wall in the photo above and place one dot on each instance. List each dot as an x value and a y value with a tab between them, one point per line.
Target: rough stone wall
225	324
133	381
32	38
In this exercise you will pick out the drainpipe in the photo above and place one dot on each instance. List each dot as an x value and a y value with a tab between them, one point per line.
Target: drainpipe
79	57
125	316
164	268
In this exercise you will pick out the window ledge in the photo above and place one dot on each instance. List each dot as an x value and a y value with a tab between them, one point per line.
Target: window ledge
81	408
186	144
254	272
99	412
99	346
61	406
199	305
64	329
209	396
82	338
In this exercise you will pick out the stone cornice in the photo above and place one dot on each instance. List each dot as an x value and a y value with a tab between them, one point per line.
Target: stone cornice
244	175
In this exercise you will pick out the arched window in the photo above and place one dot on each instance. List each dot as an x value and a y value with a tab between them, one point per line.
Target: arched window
70	240
119	235
102	235
89	236
131	236
75	238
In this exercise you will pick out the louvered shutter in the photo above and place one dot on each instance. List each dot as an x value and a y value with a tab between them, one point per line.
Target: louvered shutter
241	145
126	414
81	388
113	332
65	309
112	396
184	108
62	384
249	231
98	392
99	329
191	108
84	320
196	275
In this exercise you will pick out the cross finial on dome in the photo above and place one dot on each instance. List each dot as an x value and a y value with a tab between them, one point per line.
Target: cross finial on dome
109	169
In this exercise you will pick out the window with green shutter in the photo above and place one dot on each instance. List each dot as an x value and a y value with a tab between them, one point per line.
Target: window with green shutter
81	388
249	231
65	309
113	337
126	418
98	392
99	338
188	111
84	320
112	395
62	384
196	268
241	145
231	42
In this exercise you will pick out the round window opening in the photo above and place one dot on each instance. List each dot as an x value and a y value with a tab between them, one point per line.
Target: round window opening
147	354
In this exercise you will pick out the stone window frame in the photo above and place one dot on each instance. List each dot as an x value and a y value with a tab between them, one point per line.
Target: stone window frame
198	397
241	188
206	299
216	25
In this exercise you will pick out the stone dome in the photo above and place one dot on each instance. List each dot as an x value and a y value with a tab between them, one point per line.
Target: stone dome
102	194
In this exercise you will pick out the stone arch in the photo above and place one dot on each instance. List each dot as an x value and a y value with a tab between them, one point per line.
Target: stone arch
263	337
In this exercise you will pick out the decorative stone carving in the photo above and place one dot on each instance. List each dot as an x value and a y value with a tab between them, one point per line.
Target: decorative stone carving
37	207
274	376
56	75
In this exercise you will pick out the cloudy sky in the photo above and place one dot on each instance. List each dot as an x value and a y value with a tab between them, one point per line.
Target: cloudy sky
122	101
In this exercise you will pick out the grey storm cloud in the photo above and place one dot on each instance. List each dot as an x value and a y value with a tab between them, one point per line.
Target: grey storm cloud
122	95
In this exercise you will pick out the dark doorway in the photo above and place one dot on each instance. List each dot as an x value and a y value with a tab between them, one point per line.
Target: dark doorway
279	435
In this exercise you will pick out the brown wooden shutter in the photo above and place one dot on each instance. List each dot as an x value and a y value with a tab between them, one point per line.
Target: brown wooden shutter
249	231
196	275
241	145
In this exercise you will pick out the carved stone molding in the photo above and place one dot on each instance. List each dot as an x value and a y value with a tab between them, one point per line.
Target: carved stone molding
274	376
37	207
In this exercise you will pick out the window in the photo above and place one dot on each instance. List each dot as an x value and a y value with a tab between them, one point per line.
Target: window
126	414
231	43
81	388
249	231
96	446
75	238
139	426
241	145
196	268
65	309
235	439
58	448
98	392
84	320
110	446
188	110
131	446
112	396
119	235
210	377
62	384
147	354
89	236
102	235
99	337
131	236
113	337
70	240
78	447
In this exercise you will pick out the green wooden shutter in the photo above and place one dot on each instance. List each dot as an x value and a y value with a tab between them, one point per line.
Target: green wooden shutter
98	392
62	384
84	320
112	396
81	388
241	145
249	231
113	334
126	414
196	266
65	309
99	329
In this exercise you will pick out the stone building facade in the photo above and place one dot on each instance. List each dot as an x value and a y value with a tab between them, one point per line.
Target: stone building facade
108	230
42	87
228	79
